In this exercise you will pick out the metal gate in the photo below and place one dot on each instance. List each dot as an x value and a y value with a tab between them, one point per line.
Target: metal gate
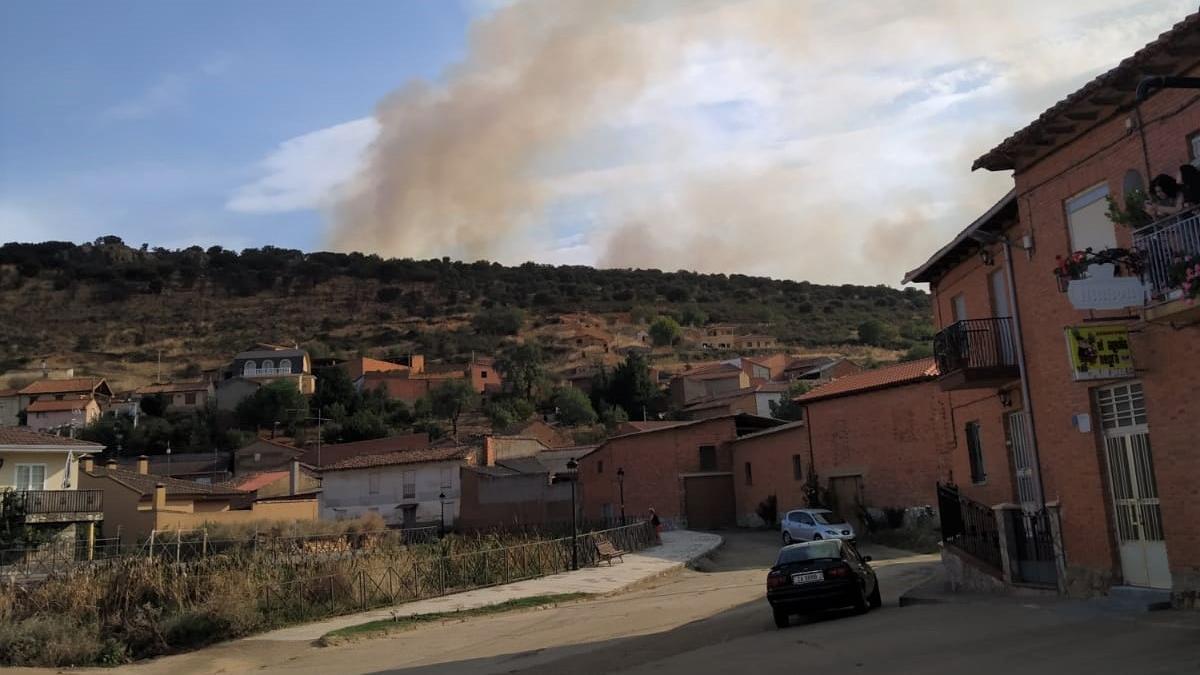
1033	544
1136	507
1023	464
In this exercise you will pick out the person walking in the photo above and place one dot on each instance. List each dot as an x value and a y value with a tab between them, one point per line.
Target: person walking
656	523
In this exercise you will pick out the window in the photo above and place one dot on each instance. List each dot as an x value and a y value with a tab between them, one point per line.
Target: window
446	476
31	476
1087	220
975	453
749	474
189	398
268	367
373	483
1194	144
958	305
410	484
797	472
1131	181
249	369
600	466
483	374
708	458
285	367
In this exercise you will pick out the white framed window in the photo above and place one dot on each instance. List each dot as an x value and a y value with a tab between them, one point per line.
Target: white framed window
249	369
446	476
285	367
958	305
268	367
31	476
410	484
1088	223
373	482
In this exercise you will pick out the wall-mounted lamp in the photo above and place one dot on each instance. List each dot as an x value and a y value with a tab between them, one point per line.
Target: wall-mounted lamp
1005	397
987	257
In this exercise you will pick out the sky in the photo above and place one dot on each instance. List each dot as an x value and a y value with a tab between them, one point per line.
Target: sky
803	139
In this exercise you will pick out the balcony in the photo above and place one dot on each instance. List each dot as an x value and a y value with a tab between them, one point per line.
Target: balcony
976	354
1163	245
61	506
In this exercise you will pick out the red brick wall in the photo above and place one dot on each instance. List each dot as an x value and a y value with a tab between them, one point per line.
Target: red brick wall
770	459
898	439
1168	361
653	462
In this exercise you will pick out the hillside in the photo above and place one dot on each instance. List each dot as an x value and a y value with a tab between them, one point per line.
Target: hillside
110	309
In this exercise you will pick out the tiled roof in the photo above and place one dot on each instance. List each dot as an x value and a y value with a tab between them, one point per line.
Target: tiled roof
994	219
721	398
172	387
5	393
52	405
1156	58
182	463
337	452
773	430
270	353
21	436
144	484
75	384
648	425
254	481
809	363
432	454
869	380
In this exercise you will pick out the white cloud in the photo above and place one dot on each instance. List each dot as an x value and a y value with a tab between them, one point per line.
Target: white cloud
307	172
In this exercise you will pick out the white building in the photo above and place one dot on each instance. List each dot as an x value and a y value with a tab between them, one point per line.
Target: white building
406	487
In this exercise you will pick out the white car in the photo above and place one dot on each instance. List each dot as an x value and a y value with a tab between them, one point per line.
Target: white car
814	524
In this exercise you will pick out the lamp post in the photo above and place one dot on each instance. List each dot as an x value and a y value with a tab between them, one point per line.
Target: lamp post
442	499
621	487
573	472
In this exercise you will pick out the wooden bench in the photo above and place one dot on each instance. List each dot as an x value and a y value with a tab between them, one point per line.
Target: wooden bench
606	550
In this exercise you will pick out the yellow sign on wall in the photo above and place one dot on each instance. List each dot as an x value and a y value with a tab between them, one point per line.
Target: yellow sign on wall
1099	352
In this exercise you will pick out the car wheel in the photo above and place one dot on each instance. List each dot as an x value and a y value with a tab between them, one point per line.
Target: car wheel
816	537
875	600
787	539
782	618
861	604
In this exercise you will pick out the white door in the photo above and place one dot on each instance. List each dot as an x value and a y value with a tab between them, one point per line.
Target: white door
1087	219
1023	464
1134	489
1006	343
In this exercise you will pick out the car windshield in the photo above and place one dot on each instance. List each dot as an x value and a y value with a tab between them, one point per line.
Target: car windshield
812	551
829	518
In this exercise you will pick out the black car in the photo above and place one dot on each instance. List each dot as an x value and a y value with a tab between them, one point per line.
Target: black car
820	575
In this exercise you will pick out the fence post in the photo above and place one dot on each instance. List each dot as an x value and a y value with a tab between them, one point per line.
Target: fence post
204	545
1008	544
1054	515
178	544
151	549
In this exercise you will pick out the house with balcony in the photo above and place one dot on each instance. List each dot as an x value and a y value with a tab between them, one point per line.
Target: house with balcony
39	477
262	365
1068	346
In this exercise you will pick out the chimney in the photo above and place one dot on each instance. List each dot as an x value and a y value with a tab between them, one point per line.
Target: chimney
294	478
143	465
111	464
160	497
87	463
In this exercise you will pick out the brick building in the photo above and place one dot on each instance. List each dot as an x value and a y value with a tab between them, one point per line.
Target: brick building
684	472
769	463
1102	426
881	438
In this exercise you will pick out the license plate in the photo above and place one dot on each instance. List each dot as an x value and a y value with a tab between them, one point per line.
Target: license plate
807	577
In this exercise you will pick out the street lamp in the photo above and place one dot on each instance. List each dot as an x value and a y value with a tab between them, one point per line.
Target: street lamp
621	486
573	472
442	499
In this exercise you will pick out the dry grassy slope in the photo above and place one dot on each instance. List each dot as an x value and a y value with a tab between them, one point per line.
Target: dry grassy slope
122	341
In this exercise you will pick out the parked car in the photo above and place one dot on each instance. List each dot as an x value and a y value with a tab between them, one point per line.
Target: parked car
814	525
817	575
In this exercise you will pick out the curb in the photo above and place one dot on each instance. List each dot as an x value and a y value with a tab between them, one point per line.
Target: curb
673	569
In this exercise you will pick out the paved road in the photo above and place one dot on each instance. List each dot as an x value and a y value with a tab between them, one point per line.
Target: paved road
715	620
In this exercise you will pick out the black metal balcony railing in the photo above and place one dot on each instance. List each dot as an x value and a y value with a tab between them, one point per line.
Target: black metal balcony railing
1162	245
37	502
969	526
975	344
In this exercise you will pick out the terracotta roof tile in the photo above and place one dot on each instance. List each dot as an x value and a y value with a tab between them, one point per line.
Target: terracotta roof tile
880	378
254	481
145	483
23	436
432	454
172	387
52	405
75	384
337	452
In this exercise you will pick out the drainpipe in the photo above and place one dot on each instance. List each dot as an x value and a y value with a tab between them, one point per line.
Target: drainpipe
1149	84
1026	399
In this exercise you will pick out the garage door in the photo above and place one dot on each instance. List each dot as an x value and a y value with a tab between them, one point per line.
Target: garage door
709	501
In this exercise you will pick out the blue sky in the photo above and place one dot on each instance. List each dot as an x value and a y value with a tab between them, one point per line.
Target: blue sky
142	118
803	139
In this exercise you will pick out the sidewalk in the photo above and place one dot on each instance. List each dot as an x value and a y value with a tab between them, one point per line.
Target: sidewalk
678	548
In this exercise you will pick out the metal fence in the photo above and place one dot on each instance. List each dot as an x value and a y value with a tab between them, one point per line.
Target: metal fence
33	562
379	579
969	526
1162	244
60	501
975	343
1033	559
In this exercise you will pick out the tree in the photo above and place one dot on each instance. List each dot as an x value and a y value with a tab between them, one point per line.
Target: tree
450	400
874	332
573	407
665	331
154	405
272	403
693	316
499	321
334	386
632	388
613	416
523	367
507	412
788	408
